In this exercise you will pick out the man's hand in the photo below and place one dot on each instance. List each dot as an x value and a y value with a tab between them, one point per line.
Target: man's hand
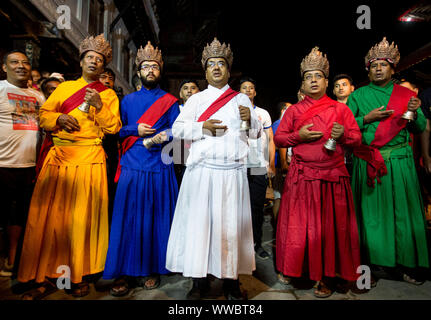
284	168
244	113
307	135
377	115
68	123
414	104
93	98
210	126
337	131
145	130
160	137
271	172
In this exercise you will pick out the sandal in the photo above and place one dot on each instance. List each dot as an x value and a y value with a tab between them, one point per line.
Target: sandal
409	279
283	279
156	284
373	282
120	288
41	292
7	270
80	290
322	290
354	287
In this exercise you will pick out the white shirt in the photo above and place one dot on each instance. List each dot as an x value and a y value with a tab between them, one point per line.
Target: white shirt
19	125
259	151
227	151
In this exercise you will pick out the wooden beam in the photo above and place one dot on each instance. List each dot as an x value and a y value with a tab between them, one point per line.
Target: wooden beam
415	57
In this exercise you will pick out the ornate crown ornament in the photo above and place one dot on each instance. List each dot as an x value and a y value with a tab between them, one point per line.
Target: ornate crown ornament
97	44
217	50
149	54
383	51
315	61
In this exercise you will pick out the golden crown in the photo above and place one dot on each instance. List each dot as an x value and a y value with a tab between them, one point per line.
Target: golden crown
97	44
315	61
149	54
383	51
217	50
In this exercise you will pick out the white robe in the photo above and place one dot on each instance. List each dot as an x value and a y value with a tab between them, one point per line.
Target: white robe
211	231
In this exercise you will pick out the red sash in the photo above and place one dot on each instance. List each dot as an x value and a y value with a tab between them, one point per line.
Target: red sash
150	117
218	104
385	132
317	107
74	101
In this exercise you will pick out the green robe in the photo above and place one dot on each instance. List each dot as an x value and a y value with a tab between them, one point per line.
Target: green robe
391	215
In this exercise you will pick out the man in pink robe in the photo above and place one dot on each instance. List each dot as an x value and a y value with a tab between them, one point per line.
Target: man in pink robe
316	231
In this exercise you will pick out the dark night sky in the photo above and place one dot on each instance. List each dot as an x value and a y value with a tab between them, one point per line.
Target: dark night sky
270	38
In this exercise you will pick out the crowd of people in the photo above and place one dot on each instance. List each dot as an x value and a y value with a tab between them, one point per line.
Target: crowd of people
133	187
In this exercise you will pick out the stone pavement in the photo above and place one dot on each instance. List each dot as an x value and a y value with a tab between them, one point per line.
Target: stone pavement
263	285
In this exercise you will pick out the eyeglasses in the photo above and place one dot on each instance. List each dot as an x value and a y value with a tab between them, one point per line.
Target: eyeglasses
309	77
212	64
148	67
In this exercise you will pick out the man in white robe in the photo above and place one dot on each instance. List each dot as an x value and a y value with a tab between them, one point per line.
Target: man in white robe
211	231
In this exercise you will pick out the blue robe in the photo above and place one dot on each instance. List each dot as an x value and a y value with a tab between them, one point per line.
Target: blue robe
146	195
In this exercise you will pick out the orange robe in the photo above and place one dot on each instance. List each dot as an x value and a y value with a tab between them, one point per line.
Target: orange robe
68	217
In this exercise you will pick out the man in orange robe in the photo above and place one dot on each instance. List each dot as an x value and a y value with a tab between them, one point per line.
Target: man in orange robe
67	224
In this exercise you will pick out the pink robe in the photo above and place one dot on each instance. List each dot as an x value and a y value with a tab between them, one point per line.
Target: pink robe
316	229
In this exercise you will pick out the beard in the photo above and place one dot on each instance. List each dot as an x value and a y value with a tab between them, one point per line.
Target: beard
150	83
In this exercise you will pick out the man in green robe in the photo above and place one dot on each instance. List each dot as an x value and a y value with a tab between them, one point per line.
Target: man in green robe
384	181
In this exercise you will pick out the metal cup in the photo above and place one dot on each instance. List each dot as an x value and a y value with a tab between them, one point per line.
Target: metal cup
331	144
408	115
148	142
84	107
245	125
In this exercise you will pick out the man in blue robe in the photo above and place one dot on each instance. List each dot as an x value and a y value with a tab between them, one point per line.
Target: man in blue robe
147	189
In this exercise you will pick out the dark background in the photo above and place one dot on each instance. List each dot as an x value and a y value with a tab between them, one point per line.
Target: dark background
270	38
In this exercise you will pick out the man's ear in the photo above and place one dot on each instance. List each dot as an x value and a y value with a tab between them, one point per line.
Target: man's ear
353	88
4	68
